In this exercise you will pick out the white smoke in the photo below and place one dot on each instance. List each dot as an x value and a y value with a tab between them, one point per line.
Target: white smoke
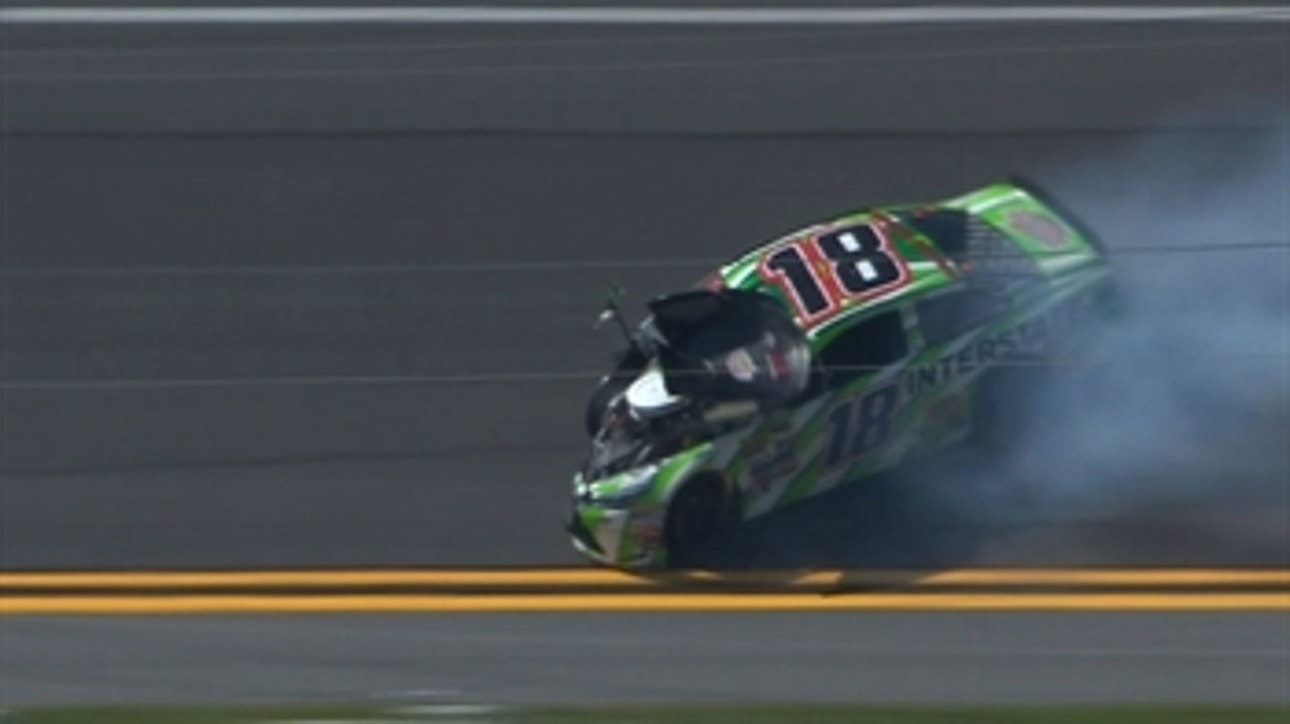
1173	441
1191	392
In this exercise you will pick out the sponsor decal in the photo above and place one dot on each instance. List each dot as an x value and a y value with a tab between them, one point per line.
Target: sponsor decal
776	423
770	452
990	253
823	274
1033	335
741	366
1026	337
1039	227
648	533
775	460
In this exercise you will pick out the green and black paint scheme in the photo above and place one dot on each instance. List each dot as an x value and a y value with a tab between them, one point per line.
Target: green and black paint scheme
828	355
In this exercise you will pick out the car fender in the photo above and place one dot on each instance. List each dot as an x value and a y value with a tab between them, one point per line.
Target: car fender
681	468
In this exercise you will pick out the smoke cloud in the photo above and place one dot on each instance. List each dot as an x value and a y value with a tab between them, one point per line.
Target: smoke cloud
1171	443
1188	399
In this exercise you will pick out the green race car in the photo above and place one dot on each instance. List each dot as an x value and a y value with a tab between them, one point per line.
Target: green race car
826	356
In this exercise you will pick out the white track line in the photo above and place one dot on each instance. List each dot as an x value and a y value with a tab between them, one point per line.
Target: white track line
449	710
1269	245
264	15
305	381
520	377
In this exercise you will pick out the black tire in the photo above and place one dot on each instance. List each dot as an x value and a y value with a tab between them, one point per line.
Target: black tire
699	511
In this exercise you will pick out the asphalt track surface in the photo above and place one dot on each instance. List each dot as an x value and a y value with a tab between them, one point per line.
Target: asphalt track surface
321	297
436	211
617	658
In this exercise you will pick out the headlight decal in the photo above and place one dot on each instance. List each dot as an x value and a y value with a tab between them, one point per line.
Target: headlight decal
626	486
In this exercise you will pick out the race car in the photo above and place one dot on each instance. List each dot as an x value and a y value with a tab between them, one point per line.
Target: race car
826	356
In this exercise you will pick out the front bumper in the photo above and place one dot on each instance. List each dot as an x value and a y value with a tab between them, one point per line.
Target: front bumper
621	538
619	521
583	538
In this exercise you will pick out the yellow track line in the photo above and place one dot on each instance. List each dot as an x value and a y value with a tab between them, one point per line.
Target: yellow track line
650	602
538	578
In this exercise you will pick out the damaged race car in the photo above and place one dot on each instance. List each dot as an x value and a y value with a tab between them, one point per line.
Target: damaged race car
829	355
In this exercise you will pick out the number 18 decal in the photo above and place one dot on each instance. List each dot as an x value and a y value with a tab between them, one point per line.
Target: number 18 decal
861	426
821	273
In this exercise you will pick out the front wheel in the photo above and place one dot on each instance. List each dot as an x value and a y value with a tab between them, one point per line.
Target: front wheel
698	512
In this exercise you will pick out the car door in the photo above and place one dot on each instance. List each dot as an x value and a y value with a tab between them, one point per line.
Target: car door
847	425
866	423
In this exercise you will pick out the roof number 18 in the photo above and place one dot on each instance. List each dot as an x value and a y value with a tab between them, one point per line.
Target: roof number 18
822	272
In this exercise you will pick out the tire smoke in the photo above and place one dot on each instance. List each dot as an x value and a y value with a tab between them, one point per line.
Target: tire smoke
1187	398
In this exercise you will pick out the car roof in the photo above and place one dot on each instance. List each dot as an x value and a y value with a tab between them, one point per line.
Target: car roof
927	269
1014	213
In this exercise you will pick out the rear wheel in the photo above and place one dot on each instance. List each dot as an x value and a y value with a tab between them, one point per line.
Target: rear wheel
697	514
